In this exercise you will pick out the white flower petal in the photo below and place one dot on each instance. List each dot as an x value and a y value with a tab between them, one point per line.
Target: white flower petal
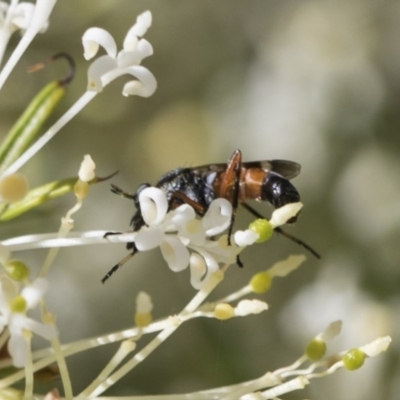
211	264
146	84
285	267
143	303
194	231
143	22
148	238
245	238
34	292
175	253
127	58
284	213
95	37
97	69
18	349
16	323
86	171
153	205
178	218
144	49
331	331
218	217
377	346
246	307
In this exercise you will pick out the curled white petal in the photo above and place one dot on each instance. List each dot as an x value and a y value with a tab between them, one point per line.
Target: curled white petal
148	238
127	58
144	304
283	214
153	205
209	265
86	171
245	238
97	69
95	37
175	253
143	22
144	49
218	217
145	86
377	346
246	307
180	216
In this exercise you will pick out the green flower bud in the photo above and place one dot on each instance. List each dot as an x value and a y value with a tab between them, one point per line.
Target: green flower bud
263	228
17	270
315	349
18	305
353	359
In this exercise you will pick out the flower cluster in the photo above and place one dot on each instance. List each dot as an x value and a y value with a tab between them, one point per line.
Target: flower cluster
186	241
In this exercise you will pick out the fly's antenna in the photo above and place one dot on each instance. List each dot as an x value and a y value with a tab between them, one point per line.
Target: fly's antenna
284	233
118	265
298	241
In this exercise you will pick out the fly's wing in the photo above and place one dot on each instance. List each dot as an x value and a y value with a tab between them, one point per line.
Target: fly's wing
287	169
210	168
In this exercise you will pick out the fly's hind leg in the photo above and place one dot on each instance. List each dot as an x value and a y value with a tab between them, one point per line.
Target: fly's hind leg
119	265
232	175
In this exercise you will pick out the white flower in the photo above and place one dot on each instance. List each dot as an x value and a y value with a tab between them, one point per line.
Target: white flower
178	230
13	308
127	61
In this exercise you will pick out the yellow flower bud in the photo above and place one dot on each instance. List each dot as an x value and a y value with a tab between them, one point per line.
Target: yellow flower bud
260	282
224	311
263	228
13	188
315	349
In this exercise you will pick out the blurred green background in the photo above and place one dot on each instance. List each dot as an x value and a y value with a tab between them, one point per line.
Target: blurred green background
316	82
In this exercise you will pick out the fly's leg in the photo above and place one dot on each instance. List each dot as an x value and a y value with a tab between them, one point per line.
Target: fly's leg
284	233
119	264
